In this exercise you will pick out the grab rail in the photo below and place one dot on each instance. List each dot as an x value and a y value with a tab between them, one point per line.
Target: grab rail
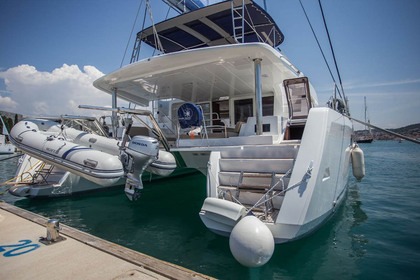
156	129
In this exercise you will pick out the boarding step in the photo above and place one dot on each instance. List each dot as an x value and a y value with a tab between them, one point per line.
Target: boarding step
248	197
270	152
257	181
41	175
256	165
48	174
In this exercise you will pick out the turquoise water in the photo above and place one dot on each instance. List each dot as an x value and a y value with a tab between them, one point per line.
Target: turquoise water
374	235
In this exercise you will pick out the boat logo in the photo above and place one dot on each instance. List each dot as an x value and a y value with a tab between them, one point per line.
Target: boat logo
187	114
139	143
52	151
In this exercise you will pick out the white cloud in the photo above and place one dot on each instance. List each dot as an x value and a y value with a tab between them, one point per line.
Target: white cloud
7	102
32	92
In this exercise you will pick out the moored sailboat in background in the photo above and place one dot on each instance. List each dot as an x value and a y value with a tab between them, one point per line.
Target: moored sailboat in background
366	136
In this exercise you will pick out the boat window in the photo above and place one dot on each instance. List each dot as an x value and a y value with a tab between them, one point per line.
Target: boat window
268	106
221	112
243	109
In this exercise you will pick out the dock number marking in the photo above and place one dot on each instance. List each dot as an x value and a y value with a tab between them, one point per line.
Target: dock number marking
24	247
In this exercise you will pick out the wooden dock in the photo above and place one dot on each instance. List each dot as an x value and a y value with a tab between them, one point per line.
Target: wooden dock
79	256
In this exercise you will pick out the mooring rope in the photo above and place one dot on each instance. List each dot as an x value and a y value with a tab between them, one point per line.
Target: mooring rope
10	157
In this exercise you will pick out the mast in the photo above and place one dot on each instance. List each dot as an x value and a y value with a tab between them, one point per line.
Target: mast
366	116
365	111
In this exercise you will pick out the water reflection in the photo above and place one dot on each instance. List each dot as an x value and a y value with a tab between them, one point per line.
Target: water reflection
359	240
8	164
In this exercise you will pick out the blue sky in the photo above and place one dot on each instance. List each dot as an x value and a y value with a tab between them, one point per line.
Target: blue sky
51	51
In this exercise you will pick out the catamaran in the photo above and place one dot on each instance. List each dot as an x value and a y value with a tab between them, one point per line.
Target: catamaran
235	108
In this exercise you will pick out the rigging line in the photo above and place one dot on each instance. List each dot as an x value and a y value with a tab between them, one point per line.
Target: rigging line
332	51
319	46
140	43
167	13
131	33
19	155
166	17
155	33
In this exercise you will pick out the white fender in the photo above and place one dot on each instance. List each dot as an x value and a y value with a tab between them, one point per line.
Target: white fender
96	166
164	165
251	242
358	163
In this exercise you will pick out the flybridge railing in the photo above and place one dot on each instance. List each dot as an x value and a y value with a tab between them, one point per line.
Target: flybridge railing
184	6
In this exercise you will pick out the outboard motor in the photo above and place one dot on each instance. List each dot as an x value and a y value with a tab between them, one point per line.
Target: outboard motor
139	154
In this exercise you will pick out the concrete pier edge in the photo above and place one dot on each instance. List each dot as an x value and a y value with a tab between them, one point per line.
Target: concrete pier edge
157	266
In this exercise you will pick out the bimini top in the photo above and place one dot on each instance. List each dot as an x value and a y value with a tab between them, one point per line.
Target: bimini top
213	25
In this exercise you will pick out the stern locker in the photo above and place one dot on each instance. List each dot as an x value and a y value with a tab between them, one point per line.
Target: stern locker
247	173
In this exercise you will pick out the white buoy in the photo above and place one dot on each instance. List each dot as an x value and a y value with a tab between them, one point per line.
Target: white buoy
251	242
358	163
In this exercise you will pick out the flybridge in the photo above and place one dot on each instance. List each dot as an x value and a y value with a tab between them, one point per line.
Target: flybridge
227	22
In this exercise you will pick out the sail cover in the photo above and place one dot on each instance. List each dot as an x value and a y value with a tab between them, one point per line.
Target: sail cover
211	26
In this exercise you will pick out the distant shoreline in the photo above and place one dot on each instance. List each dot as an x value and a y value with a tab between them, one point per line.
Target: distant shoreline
412	131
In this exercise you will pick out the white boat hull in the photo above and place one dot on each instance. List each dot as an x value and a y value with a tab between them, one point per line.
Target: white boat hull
7	149
327	142
319	179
